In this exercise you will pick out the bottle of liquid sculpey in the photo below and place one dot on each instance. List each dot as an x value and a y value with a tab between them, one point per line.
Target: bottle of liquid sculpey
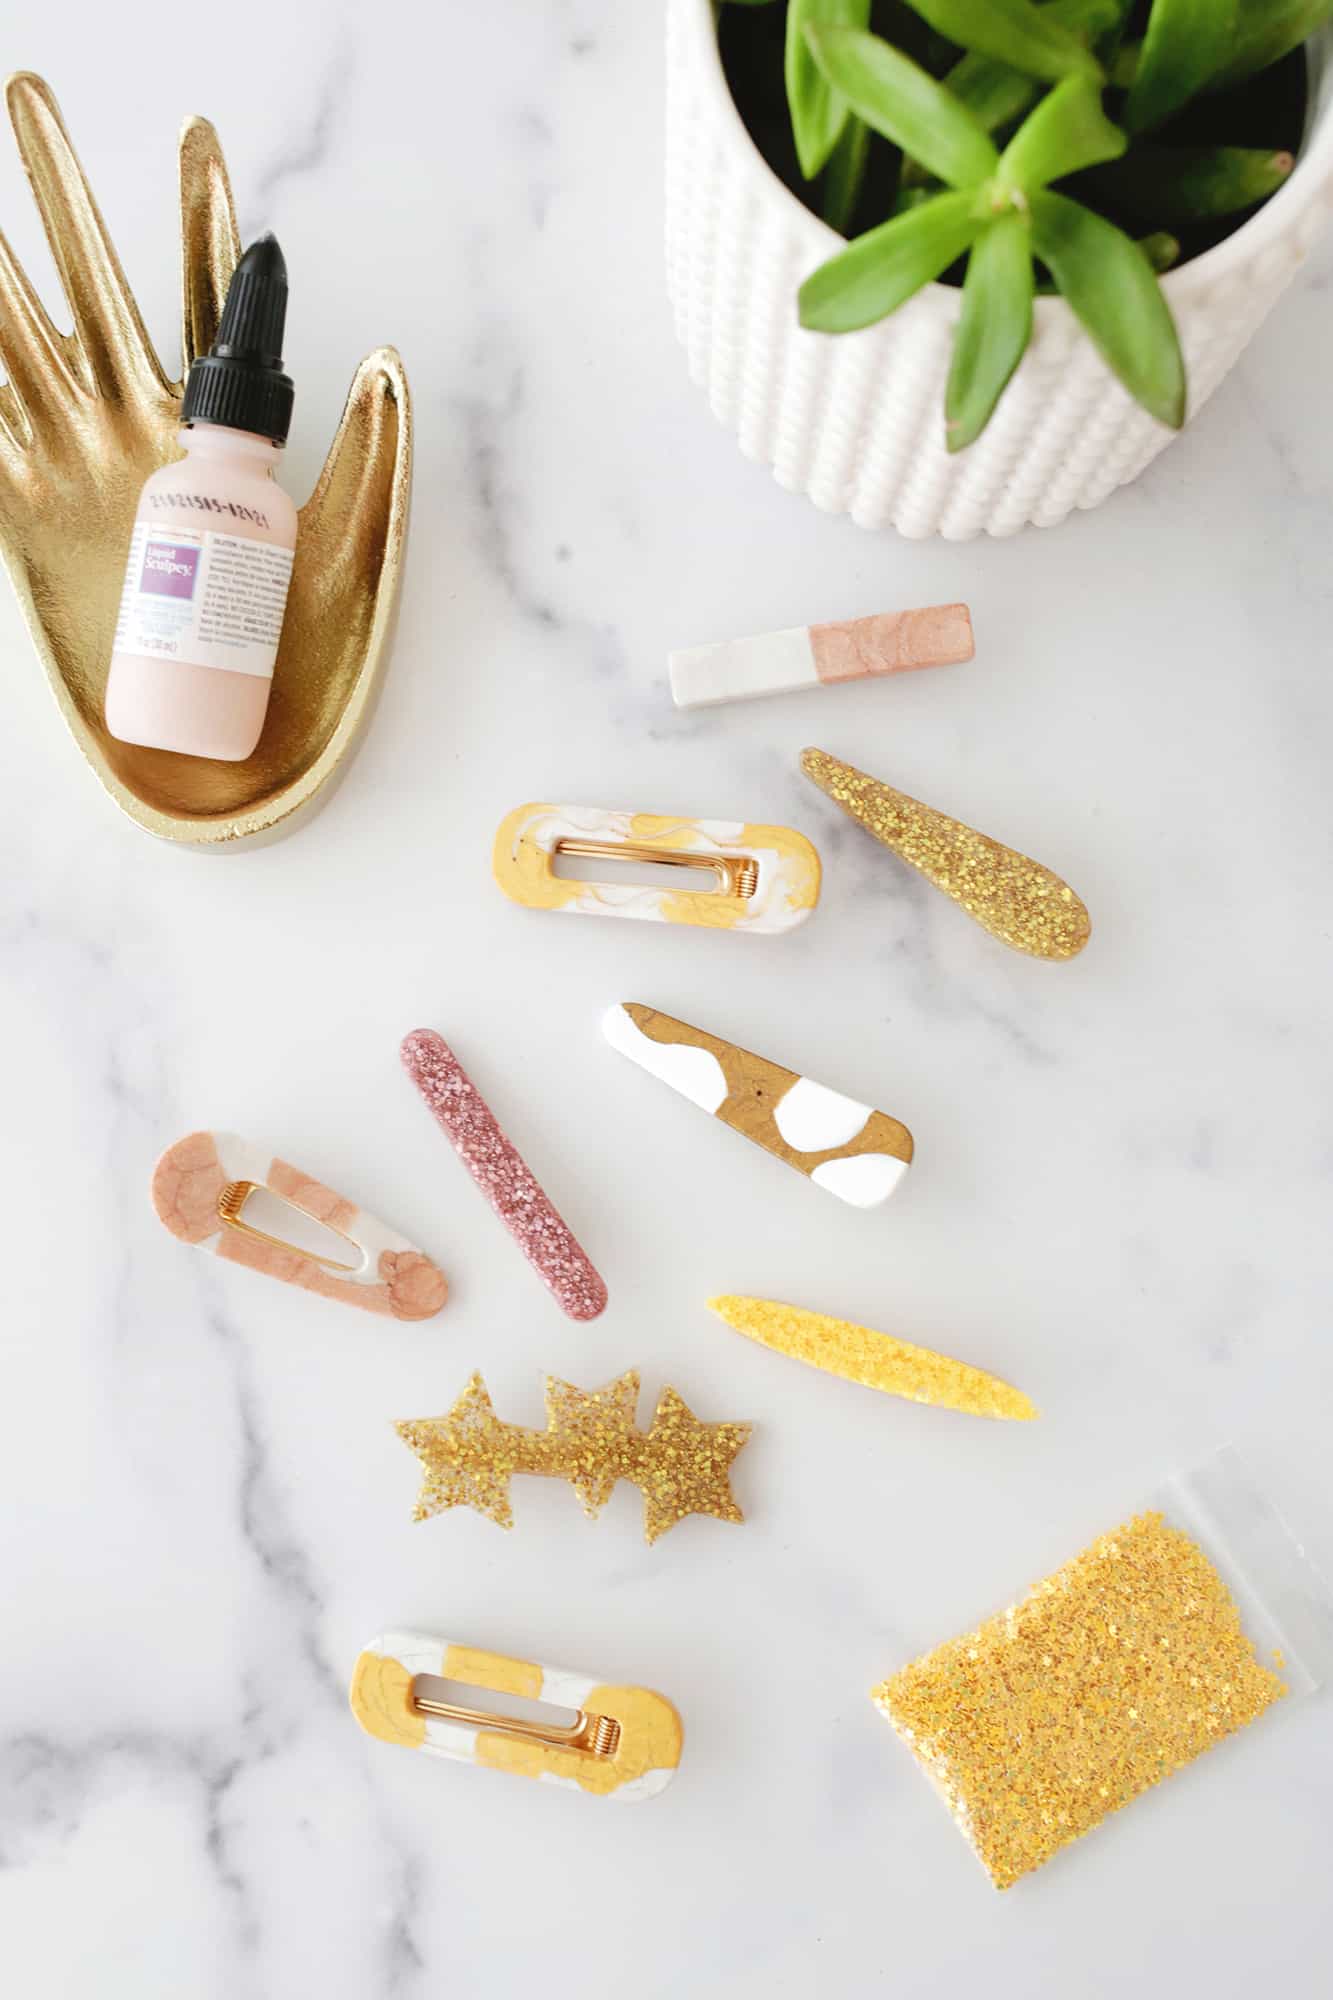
211	553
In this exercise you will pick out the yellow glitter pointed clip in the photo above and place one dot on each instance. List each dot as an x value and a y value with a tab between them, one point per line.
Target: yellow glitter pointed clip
591	1439
1018	901
874	1360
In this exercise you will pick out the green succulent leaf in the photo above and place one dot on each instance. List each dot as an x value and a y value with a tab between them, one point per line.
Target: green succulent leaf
877	272
993	329
997	95
841	186
1185	44
1067	132
1267	30
1014	32
1176	185
897	98
818	112
1161	248
1111	286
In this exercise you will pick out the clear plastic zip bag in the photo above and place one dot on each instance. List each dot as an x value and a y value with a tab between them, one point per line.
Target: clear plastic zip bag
1173	1631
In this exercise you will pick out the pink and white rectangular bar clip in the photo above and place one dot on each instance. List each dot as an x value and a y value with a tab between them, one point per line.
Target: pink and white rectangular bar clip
889	642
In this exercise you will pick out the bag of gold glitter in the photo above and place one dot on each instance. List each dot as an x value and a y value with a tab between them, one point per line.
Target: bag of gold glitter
1172	1631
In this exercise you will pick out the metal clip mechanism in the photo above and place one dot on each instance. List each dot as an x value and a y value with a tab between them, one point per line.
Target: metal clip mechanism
623	1742
766	878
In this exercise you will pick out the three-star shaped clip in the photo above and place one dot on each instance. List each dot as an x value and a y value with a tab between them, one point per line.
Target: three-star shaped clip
681	1465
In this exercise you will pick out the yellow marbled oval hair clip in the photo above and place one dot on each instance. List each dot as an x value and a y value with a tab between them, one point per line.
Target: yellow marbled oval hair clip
764	878
856	1153
623	1742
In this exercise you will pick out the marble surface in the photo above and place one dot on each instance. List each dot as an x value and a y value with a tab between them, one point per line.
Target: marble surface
1120	1199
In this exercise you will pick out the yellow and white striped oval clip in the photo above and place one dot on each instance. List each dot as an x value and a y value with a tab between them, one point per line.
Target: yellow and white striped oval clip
623	1743
765	878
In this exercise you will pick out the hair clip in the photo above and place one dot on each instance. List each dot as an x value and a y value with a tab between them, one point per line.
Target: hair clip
203	1184
623	1742
1015	899
858	1154
890	642
875	1360
499	1170
766	878
591	1439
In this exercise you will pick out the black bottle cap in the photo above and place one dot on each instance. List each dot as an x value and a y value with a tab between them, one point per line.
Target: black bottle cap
240	382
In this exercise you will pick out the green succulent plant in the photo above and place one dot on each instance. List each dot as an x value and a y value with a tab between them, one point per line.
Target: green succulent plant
1050	146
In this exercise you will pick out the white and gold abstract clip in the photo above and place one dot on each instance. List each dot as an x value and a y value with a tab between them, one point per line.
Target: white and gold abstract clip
615	1742
204	1184
857	1153
750	877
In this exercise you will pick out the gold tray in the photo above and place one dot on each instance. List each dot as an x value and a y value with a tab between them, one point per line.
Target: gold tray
85	417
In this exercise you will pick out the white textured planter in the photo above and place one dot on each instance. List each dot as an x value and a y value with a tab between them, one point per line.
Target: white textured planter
856	420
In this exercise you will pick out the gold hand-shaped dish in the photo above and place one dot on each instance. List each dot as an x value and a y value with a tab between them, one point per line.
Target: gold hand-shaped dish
1018	901
85	417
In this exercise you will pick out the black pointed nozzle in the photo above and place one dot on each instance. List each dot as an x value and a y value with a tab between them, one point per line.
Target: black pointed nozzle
240	382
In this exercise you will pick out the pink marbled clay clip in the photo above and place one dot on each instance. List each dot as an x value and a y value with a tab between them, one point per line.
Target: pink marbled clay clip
500	1172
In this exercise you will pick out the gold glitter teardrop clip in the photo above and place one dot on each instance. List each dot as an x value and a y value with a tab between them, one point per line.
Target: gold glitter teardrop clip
623	1742
680	1465
1017	900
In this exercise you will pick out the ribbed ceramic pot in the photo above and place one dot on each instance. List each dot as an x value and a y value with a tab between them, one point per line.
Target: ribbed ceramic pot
856	420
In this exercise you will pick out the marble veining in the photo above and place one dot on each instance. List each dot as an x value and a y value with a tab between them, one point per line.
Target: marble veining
1120	1198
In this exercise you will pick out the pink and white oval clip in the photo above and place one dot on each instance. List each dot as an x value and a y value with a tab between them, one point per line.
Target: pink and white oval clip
202	1185
503	1176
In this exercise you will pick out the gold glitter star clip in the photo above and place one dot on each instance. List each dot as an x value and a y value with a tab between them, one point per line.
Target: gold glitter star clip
1015	899
680	1465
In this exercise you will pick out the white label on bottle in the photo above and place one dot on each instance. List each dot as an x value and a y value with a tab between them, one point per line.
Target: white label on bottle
204	598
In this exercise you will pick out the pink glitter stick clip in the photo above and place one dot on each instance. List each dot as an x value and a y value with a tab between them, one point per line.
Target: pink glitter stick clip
508	1184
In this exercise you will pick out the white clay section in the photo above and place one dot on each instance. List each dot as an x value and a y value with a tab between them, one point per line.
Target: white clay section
373	1238
740	669
771	908
812	1118
695	1073
864	1181
242	1161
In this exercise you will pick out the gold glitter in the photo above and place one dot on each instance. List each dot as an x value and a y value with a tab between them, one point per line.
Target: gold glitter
1029	1755
859	1354
1015	899
680	1465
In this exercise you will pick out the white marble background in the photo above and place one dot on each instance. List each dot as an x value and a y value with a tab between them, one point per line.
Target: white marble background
1124	1164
